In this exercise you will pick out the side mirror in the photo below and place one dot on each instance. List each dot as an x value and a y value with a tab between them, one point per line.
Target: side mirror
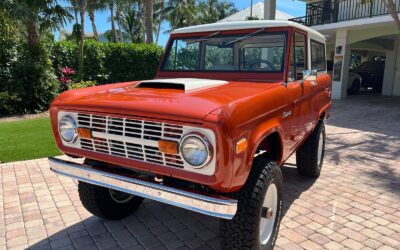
310	75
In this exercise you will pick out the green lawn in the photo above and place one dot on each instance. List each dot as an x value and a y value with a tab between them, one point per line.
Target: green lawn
26	139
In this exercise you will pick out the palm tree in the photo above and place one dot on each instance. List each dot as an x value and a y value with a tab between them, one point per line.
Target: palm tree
149	21
118	8
132	23
225	9
83	4
161	10
158	17
208	10
111	7
214	10
92	7
183	13
74	4
37	16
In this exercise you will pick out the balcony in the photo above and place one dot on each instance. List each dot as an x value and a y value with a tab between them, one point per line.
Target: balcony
333	11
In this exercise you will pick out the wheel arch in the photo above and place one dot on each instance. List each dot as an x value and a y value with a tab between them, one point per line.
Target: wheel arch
270	141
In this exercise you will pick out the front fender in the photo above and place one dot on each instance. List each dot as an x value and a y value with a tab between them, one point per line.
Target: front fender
244	160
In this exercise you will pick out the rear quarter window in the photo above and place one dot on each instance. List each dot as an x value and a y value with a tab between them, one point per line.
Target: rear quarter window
318	56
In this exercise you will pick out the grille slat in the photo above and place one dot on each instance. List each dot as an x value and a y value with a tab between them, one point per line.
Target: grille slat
129	138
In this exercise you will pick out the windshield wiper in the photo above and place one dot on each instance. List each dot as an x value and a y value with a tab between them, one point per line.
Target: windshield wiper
245	37
206	38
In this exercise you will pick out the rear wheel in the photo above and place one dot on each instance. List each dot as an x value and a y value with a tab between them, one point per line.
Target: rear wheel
310	156
256	223
107	203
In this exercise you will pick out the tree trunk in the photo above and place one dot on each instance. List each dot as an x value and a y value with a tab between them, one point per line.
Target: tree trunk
95	34
149	21
142	28
161	17
391	7
118	17
82	38
113	34
32	33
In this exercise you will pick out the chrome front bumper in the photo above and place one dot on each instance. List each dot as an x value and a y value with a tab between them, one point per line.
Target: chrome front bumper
216	206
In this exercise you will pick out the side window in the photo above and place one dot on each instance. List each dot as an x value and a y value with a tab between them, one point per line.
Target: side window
318	56
298	58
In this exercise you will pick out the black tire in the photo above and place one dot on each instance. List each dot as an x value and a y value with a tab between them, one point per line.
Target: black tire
243	231
355	87
98	201
307	155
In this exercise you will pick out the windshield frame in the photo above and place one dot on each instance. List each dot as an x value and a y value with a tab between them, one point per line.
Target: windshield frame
231	33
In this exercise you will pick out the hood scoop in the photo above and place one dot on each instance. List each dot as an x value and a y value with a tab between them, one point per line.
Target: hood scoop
185	84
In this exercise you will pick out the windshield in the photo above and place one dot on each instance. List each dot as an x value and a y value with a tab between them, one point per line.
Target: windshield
244	52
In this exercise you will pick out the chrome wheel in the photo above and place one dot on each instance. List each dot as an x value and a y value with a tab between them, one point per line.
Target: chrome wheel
268	214
120	197
320	149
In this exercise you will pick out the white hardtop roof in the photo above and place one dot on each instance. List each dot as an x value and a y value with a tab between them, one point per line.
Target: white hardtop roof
240	25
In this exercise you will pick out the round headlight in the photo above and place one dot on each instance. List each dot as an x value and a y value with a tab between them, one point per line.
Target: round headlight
67	128
195	150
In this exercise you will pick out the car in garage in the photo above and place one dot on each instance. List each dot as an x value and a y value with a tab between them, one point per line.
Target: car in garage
371	73
354	81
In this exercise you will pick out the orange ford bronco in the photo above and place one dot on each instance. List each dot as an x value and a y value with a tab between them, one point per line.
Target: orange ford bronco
230	103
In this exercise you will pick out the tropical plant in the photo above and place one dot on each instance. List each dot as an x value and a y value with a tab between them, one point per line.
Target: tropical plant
215	10
75	9
149	21
183	13
37	16
111	5
93	6
226	9
132	23
82	6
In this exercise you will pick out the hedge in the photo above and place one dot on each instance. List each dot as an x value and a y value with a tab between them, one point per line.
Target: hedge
109	62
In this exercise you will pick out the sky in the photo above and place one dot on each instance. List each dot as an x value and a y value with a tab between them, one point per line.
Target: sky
293	7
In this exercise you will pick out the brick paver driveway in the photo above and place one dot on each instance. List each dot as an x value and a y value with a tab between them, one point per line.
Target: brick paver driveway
354	204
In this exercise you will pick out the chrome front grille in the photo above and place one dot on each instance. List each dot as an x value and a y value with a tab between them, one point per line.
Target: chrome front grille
130	138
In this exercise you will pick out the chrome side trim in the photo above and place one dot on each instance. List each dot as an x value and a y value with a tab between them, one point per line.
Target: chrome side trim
215	206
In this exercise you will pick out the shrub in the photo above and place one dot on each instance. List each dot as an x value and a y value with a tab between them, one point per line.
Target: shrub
9	104
34	80
9	41
126	62
109	62
83	84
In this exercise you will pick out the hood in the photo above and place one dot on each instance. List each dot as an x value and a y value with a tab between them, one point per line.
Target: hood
170	98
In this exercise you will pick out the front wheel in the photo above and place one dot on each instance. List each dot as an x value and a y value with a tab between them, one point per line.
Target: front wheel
107	203
256	223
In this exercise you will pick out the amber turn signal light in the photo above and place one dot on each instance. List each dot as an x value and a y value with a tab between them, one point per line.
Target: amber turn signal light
84	133
241	146
168	147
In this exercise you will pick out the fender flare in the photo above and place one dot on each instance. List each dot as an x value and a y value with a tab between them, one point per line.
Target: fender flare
259	137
